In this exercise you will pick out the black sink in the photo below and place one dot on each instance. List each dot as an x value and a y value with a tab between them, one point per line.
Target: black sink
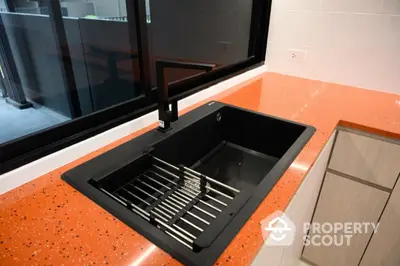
230	157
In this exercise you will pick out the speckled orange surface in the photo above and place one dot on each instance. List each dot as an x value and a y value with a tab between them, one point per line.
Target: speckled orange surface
48	222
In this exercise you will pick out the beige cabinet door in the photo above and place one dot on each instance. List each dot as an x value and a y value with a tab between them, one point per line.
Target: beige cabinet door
345	201
372	160
384	248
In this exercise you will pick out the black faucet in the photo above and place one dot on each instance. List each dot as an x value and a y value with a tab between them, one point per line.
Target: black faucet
165	115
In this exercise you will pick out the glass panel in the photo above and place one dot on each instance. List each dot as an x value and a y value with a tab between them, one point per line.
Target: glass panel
33	96
98	34
36	87
209	31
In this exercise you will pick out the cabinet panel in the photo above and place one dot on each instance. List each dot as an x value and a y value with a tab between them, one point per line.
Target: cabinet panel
366	158
383	250
344	200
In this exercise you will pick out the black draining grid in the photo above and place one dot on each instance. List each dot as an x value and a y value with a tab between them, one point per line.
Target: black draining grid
178	200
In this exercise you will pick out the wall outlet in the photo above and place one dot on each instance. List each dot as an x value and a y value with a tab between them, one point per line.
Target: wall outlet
296	56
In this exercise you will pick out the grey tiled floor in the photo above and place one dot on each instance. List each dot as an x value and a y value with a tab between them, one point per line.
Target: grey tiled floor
15	123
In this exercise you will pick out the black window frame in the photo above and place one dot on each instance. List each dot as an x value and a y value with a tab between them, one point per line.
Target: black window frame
18	152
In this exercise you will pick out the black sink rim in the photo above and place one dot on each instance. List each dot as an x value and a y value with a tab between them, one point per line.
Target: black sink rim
106	163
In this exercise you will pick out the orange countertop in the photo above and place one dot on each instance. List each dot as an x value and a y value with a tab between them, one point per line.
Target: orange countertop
46	221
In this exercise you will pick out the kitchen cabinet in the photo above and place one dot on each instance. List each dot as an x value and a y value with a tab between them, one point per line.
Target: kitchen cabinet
344	200
384	247
370	159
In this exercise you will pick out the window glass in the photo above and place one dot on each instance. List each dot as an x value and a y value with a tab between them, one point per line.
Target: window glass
55	69
214	32
71	69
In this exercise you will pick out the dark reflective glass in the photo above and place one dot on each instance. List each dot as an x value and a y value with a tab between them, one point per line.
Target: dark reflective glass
33	96
39	87
210	31
71	69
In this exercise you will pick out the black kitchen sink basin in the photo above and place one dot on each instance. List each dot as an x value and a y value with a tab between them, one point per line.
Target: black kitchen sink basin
189	190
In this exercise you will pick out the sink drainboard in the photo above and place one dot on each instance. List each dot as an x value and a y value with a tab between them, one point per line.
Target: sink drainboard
178	200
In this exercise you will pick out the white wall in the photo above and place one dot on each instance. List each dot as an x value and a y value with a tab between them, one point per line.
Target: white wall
2	4
109	8
352	42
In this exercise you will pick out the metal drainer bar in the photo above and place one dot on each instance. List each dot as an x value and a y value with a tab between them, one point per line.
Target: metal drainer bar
170	195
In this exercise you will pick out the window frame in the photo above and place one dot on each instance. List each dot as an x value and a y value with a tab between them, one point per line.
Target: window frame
18	152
